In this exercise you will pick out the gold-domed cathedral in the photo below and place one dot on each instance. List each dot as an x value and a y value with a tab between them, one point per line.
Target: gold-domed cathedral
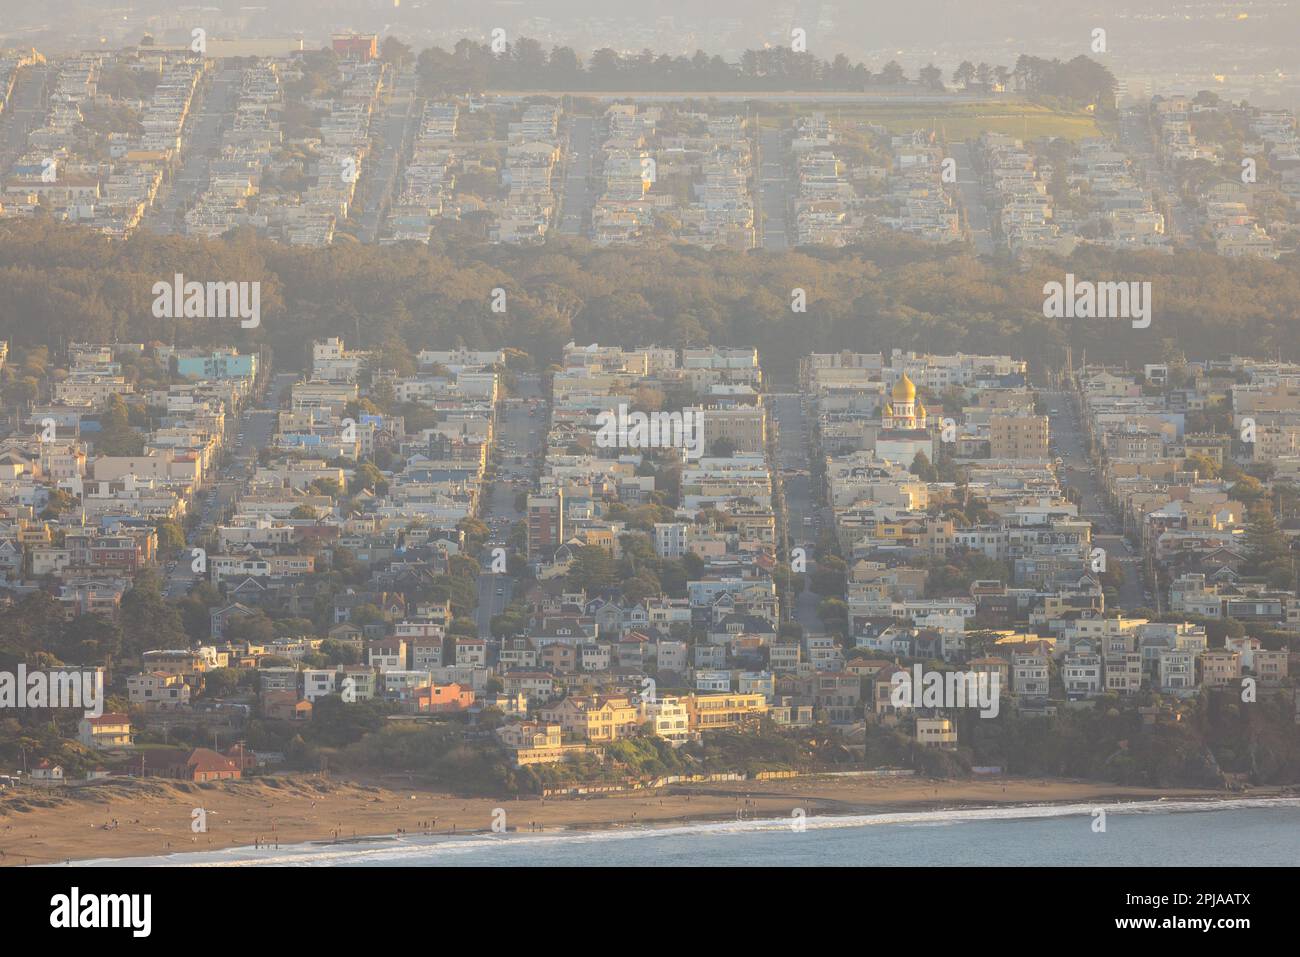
903	426
903	411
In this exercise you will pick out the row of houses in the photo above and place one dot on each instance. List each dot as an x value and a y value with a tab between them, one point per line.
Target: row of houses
251	138
428	179
112	187
1024	209
82	522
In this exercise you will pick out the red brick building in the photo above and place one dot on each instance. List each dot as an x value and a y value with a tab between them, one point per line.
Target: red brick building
356	46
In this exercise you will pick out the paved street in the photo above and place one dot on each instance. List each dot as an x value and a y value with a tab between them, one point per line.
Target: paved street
201	140
792	445
252	431
1076	473
973	195
1135	140
396	121
520	437
579	194
26	111
773	189
494	594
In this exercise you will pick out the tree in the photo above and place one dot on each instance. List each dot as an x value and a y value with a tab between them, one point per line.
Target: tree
931	77
58	502
640	588
148	620
892	74
116	437
367	477
255	629
196	611
220	682
367	613
1267	555
593	569
339	652
476	534
922	468
90	639
722	448
1203	467
830	576
394	51
834	613
513	621
171	537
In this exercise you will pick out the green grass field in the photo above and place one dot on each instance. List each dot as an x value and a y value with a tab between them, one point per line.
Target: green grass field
955	121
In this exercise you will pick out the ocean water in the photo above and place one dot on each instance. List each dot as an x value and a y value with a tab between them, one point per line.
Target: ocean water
1233	832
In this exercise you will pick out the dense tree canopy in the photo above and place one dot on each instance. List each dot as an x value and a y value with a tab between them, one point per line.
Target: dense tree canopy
64	283
525	65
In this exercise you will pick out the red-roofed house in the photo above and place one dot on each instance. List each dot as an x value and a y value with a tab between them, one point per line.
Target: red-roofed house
205	764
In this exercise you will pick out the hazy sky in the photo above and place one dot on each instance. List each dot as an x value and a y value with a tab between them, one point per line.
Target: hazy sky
1144	36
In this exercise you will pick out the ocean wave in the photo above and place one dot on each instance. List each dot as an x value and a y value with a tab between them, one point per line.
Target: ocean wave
412	850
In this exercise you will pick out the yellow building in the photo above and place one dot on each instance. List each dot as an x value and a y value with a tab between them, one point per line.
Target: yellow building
111	730
592	717
936	732
716	712
36	533
533	742
903	411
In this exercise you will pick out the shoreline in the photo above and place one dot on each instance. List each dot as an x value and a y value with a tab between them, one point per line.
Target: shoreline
159	817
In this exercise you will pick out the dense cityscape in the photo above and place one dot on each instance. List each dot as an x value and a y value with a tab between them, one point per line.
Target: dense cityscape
399	440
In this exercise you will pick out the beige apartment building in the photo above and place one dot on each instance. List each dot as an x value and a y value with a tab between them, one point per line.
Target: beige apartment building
1019	437
1220	668
745	428
717	712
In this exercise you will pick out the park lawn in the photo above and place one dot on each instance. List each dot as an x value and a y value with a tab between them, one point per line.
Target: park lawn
954	121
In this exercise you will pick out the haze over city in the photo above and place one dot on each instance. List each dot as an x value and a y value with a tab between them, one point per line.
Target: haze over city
739	434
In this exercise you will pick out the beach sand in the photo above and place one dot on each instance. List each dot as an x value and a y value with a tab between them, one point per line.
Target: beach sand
153	817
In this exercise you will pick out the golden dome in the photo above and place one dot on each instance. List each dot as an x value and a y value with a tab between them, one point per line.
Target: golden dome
904	390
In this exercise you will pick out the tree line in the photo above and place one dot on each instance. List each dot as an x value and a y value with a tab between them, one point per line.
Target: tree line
65	283
526	65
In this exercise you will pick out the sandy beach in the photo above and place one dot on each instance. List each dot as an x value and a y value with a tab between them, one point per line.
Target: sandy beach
159	817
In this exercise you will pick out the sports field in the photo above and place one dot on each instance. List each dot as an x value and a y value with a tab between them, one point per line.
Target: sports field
955	121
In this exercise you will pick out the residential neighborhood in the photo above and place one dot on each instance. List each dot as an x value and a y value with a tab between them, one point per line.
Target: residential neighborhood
462	560
774	434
